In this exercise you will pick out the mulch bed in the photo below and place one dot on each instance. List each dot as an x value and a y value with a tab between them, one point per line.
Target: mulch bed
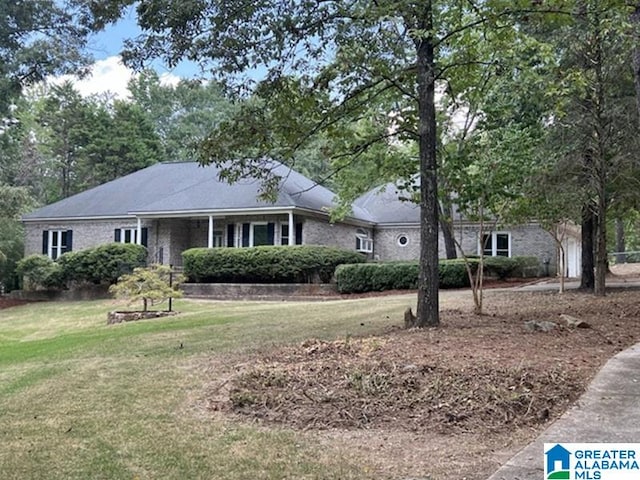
473	374
6	302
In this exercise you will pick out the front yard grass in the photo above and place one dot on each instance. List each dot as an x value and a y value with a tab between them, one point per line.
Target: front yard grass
314	390
80	399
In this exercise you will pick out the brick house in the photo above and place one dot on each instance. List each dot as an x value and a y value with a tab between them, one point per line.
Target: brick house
396	234
170	207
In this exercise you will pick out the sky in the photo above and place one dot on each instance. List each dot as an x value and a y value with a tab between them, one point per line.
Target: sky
108	74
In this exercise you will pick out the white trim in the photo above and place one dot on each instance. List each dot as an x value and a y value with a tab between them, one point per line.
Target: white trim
203	213
248	212
50	246
139	232
75	219
400	244
292	230
133	235
365	241
210	233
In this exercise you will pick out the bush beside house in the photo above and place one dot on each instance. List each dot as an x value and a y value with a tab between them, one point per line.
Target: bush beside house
266	264
98	265
371	277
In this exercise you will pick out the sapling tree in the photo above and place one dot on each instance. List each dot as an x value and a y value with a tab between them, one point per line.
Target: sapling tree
151	285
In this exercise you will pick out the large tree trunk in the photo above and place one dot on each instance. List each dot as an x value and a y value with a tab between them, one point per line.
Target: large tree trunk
428	306
587	280
635	60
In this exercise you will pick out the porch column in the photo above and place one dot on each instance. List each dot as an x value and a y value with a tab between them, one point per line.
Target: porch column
139	232
210	242
292	230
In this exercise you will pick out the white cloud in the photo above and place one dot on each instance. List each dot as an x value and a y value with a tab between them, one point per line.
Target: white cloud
109	76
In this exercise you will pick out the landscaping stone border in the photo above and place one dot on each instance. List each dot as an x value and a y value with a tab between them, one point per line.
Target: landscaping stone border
119	317
245	291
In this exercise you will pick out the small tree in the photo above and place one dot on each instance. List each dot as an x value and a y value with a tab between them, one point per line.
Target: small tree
152	285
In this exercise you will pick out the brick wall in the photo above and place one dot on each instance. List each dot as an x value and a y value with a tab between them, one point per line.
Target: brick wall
526	240
341	235
86	234
168	238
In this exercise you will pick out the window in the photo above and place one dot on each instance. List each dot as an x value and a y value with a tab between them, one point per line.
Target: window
284	234
256	234
129	235
364	243
496	244
260	235
126	235
56	242
217	238
402	240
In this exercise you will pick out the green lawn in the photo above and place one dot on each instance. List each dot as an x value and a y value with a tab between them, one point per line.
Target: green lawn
83	400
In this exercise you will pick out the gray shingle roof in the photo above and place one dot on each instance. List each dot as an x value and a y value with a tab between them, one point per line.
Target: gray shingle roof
167	188
385	204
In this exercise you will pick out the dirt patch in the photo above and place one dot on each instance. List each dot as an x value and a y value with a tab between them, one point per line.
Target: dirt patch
475	389
6	302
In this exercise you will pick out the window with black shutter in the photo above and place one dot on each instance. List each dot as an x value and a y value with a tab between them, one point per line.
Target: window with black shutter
56	242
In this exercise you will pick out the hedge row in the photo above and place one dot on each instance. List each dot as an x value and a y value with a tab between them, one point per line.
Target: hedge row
266	264
102	264
371	277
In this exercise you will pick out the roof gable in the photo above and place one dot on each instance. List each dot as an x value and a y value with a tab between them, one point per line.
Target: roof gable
389	204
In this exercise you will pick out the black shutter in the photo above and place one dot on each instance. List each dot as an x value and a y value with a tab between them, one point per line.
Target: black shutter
45	242
144	236
69	245
298	233
245	234
116	235
231	230
271	233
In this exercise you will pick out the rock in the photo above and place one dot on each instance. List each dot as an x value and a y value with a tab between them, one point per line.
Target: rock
574	322
540	326
119	317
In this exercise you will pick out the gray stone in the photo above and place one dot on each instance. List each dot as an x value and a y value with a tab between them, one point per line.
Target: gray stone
574	322
119	317
540	326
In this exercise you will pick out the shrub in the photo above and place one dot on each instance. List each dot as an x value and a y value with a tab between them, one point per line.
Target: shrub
266	264
500	267
526	267
39	271
404	275
396	276
102	264
368	277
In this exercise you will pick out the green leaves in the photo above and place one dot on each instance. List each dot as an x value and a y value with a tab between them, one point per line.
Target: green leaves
38	39
151	285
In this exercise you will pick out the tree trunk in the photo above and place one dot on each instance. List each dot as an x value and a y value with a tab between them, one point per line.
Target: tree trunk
446	227
601	257
428	281
587	281
635	60
620	242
